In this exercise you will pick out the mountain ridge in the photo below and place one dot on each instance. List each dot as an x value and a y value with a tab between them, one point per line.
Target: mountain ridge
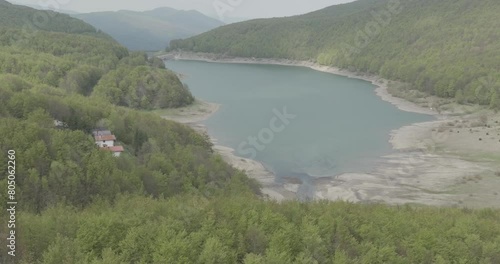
150	30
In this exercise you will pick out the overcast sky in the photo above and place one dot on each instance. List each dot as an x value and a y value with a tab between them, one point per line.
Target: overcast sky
215	8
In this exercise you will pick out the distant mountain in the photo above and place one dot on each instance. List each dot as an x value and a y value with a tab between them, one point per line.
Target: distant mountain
150	30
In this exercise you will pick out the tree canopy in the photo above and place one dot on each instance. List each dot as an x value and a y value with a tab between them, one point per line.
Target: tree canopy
143	87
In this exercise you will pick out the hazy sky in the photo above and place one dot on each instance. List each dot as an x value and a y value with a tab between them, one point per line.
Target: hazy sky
216	8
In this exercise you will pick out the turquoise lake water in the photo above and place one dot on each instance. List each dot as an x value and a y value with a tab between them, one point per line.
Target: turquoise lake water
298	122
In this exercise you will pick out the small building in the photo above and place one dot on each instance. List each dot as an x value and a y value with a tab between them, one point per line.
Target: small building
104	141
117	150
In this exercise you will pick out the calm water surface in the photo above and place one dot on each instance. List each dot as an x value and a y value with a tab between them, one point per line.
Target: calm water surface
339	124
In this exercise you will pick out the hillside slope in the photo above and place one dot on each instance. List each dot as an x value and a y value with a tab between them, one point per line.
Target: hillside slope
69	54
17	16
150	30
448	48
168	198
47	74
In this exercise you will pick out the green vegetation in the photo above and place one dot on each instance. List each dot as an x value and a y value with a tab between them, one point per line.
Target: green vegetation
63	166
49	76
239	228
143	87
447	48
150	30
78	63
169	198
19	16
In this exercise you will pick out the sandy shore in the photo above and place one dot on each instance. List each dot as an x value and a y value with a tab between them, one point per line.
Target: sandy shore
450	161
198	112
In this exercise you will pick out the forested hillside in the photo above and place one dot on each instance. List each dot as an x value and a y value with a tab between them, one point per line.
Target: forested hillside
447	48
22	17
49	75
61	58
238	228
168	198
150	30
143	88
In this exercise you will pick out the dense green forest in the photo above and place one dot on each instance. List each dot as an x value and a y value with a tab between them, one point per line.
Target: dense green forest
150	30
169	198
143	87
447	48
238	228
16	16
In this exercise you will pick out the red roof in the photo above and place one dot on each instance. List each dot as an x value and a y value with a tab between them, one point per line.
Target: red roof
115	149
105	138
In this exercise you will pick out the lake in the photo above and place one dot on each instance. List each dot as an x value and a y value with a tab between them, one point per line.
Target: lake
298	122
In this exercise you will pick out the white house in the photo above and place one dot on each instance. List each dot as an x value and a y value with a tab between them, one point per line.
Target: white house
104	141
